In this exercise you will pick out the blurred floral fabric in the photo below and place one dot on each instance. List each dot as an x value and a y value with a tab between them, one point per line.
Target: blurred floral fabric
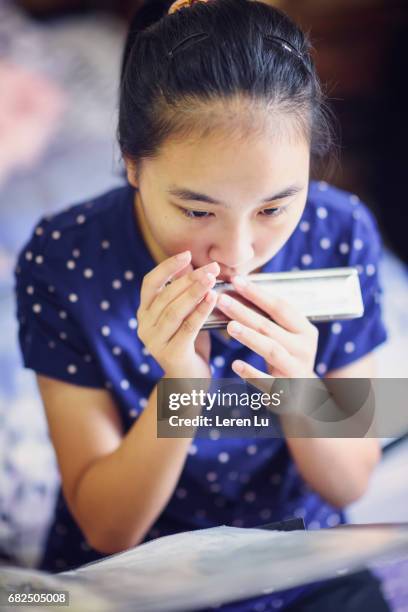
57	121
29	108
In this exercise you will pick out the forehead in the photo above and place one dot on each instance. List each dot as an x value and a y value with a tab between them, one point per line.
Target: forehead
216	162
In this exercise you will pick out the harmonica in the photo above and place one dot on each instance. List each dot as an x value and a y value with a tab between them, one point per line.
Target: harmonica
321	295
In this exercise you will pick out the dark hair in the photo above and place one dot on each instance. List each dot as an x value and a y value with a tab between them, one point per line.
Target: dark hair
222	51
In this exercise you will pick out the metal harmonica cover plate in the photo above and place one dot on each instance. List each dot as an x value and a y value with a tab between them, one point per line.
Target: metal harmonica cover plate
321	295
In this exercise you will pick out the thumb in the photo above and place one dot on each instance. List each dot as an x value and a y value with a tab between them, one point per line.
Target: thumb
203	344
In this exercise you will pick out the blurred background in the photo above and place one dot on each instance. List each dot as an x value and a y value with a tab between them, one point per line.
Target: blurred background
59	66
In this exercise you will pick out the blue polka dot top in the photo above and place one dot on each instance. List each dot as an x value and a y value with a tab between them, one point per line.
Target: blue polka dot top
78	283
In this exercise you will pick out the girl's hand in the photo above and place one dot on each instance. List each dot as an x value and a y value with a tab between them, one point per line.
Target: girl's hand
288	344
170	316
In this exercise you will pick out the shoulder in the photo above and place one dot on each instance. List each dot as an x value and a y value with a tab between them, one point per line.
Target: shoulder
74	292
340	227
343	232
77	236
341	210
77	223
74	253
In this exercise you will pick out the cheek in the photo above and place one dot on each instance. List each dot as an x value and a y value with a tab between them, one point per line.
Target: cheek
266	245
269	241
174	237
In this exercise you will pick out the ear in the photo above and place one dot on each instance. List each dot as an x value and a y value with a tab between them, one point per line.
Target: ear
132	172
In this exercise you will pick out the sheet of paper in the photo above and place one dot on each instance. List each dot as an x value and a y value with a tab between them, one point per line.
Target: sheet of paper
196	569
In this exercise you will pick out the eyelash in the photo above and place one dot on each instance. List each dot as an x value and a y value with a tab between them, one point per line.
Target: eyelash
188	212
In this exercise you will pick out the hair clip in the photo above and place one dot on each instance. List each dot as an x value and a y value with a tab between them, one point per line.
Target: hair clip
179	4
284	44
201	35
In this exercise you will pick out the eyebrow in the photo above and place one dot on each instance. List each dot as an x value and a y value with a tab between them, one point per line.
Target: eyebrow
188	195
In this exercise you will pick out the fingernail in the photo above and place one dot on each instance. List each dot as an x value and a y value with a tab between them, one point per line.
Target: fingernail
235	327
183	256
206	278
209	267
238	365
240	281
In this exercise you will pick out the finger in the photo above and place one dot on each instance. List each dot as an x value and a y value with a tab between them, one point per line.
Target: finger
273	353
244	314
191	326
182	273
280	310
255	377
177	287
162	273
175	313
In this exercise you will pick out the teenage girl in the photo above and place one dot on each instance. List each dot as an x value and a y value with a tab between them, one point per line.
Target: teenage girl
221	116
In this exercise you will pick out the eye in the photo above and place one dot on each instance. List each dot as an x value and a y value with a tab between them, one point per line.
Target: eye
194	214
201	214
274	212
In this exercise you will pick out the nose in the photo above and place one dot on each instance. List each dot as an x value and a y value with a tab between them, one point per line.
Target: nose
232	250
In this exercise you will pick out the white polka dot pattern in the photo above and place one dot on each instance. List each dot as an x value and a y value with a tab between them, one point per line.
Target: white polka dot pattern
336	328
349	347
321	368
223	457
78	287
322	212
306	259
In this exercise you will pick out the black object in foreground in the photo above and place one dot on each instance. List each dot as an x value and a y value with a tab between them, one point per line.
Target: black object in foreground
288	525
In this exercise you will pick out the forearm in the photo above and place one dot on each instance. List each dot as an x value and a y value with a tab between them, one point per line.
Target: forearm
337	468
120	496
